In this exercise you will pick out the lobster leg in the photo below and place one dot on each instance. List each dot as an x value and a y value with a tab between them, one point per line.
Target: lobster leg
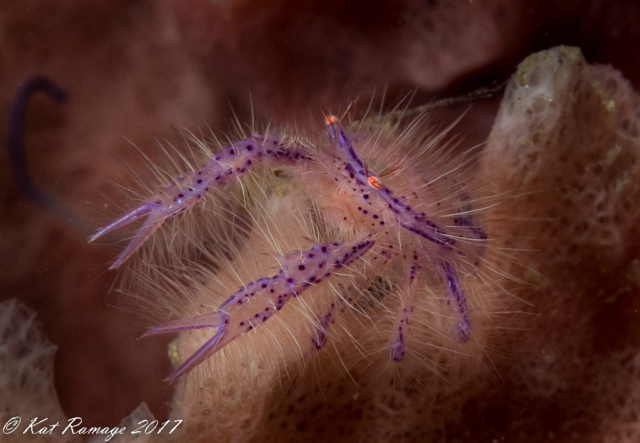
397	342
458	302
226	166
255	303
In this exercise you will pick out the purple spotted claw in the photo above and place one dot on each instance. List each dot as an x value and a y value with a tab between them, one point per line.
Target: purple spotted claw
255	303
225	167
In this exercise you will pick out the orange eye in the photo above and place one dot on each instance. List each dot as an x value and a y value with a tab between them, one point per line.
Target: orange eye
374	182
330	120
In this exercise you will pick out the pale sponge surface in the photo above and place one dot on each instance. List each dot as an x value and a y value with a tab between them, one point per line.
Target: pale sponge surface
567	139
26	374
570	131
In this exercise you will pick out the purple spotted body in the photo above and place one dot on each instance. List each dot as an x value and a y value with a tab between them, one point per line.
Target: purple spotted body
440	244
404	214
383	204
